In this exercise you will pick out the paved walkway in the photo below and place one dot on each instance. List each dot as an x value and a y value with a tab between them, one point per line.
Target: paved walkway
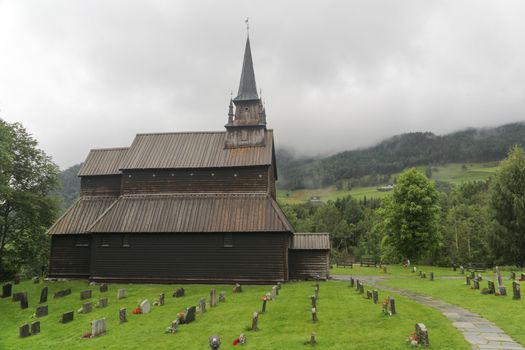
478	331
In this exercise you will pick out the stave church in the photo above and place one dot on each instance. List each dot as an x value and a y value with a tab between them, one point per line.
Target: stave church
187	207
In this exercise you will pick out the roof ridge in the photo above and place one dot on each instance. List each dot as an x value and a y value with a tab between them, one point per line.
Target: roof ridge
180	132
110	149
196	194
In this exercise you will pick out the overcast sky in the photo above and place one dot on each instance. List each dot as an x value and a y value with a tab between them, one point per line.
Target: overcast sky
335	75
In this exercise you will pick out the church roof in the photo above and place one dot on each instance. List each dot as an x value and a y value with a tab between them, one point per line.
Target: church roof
103	161
79	217
211	212
193	150
311	241
247	87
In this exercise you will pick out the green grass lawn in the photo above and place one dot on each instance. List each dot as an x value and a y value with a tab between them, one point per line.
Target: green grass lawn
455	173
507	313
346	319
392	270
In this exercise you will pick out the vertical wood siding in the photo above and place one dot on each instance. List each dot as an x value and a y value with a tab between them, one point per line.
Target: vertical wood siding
68	260
307	264
202	257
248	179
107	185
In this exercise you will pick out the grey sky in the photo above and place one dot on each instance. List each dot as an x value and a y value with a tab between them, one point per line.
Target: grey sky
335	75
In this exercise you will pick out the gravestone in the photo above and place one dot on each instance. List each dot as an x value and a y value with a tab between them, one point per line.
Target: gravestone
179	293
215	342
314	301
467	280
472	275
492	289
102	302
7	290
17	296
502	291
274	292
24	302
190	314
67	317
512	276
103	288
314	314
368	294
279	286
316	291
122	315
462	270
480	278
62	293
36	280
242	339
222	297
385	269
424	275
375	295
312	340
213	298
422	334
98	327
421	274
414	269
85	294
145	306
255	319
238	288
476	283
43	295
352	282
23	331
174	326
17	280
516	293
41	311
522	277
264	299
87	308
392	306
35	328
498	275
202	305
161	299
431	276
356	285
121	294
361	288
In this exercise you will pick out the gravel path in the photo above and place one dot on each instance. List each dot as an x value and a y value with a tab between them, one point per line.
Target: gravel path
478	331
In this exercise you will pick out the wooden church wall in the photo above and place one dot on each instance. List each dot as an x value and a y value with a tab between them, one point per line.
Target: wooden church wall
107	185
70	256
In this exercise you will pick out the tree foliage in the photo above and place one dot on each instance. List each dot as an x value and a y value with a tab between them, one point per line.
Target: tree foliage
410	216
507	199
27	175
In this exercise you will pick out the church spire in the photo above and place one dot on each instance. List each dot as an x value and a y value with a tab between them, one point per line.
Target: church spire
247	87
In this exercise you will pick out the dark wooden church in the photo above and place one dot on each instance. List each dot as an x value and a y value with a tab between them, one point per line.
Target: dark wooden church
187	207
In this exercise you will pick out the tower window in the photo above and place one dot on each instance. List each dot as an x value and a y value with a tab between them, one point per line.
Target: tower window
125	241
81	241
228	240
104	241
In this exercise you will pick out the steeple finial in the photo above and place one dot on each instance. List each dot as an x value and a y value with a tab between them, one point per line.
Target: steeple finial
247	21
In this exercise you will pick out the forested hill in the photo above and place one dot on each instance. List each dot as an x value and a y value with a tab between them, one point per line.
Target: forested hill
399	152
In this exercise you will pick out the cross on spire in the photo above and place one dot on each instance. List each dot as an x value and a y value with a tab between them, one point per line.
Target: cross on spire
247	21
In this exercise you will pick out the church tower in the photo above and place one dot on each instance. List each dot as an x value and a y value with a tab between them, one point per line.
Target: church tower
247	124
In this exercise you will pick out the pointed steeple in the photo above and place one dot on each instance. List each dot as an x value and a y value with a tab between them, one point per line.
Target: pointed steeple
247	87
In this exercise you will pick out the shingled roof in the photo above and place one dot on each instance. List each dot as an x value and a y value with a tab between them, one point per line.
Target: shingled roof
103	161
311	241
193	213
193	150
79	217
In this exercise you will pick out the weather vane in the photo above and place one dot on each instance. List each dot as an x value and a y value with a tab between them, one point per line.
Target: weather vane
247	21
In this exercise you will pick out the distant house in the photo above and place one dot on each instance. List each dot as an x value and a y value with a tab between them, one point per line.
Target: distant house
315	200
386	188
181	207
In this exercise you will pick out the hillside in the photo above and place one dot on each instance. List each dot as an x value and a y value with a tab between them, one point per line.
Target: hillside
374	165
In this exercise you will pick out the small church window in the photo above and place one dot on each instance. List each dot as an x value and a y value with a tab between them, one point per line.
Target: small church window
125	241
228	240
82	241
104	241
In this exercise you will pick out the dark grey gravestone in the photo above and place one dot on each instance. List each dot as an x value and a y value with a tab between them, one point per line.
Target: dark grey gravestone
43	295
238	288
179	293
512	275
67	316
85	294
422	334
62	293
102	302
314	301
87	307
161	299
24	302
472	275
392	306
7	290
516	293
23	331
17	296
190	314
357	285
213	298
314	314
492	289
424	275
222	297
215	342
41	311
122	316
368	294
431	276
17	280
103	288
202	305
361	288
255	319
476	283
265	299
502	291
352	282
35	328
467	280
375	295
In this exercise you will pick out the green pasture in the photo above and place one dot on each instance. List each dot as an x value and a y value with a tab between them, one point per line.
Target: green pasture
346	319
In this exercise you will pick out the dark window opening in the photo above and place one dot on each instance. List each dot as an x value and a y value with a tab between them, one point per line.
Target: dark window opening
82	241
228	240
125	241
104	241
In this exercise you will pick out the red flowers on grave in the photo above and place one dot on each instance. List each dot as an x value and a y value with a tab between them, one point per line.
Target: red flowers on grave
236	342
412	339
264	297
137	311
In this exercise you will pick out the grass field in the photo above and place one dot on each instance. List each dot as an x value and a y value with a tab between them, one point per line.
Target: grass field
392	270
346	320
451	173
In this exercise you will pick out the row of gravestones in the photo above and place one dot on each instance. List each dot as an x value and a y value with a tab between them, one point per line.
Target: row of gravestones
423	274
473	281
